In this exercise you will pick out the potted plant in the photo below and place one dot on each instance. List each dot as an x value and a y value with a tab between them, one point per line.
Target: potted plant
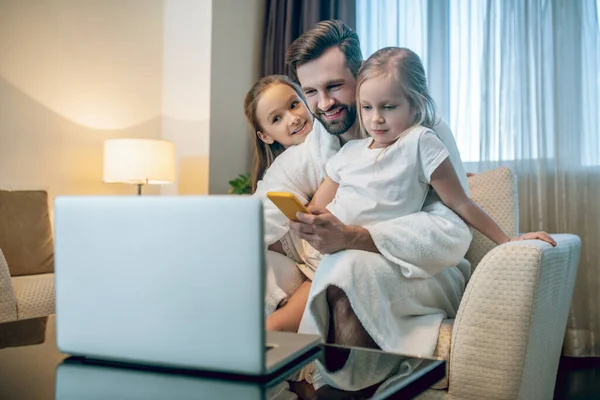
241	185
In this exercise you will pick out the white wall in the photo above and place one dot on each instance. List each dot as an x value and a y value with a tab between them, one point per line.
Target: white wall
212	52
186	91
237	35
72	74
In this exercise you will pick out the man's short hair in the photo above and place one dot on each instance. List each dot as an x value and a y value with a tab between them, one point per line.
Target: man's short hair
325	35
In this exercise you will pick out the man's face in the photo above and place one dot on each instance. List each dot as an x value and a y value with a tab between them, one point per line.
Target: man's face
330	87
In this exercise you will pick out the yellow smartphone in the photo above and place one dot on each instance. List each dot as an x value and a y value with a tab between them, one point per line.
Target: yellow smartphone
288	204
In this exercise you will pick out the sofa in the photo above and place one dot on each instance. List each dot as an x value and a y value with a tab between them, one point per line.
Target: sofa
505	342
506	339
26	258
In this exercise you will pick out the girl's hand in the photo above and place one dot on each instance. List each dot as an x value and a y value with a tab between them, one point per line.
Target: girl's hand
541	235
316	210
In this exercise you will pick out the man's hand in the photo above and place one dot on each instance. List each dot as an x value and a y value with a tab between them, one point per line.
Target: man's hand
327	234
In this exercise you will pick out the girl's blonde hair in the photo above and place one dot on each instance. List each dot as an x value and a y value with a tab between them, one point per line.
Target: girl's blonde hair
405	66
264	154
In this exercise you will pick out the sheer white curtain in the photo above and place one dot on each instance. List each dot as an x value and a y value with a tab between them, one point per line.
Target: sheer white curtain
420	25
520	87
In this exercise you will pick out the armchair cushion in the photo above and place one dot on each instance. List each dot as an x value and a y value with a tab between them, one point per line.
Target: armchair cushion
25	232
442	350
35	295
8	304
495	191
511	322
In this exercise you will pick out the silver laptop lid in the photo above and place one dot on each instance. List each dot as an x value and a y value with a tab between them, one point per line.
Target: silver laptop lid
167	280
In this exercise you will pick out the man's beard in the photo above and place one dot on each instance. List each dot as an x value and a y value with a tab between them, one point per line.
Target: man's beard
339	126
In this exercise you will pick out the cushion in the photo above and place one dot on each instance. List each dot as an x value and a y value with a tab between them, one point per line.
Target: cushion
25	232
442	350
35	295
496	192
8	304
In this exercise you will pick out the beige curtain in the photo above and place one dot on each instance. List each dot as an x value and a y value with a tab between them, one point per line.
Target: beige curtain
520	87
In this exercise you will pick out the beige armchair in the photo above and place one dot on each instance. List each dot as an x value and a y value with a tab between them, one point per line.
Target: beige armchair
26	256
506	340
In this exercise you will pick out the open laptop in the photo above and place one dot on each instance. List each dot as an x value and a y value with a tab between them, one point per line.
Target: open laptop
167	281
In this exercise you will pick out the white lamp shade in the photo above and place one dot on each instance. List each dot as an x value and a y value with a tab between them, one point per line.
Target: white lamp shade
139	161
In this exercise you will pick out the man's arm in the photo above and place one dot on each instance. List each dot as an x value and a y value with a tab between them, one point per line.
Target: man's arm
351	237
360	239
327	234
423	243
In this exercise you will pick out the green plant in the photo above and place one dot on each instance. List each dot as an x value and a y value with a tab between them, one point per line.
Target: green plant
241	185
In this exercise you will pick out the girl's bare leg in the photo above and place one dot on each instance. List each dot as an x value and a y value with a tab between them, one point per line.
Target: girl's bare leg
287	318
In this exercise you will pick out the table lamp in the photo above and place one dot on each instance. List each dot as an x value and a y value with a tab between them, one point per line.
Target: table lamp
139	162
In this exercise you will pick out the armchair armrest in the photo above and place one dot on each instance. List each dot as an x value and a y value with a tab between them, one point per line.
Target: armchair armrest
8	302
510	325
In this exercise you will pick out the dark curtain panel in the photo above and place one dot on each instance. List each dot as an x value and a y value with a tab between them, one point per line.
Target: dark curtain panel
285	20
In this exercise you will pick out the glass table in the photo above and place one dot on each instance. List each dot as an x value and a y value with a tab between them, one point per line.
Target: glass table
40	371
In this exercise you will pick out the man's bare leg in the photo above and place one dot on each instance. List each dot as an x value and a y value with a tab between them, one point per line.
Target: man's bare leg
288	317
344	327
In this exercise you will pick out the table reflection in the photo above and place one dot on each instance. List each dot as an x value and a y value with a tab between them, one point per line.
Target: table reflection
336	373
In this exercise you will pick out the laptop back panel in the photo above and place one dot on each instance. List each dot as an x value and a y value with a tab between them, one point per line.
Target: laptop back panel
176	281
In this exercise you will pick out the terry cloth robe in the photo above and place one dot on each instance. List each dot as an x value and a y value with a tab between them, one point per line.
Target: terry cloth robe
423	251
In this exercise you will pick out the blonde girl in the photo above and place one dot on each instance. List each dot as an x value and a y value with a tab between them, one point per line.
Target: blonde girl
390	173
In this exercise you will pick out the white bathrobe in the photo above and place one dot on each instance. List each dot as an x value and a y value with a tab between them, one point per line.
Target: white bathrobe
400	295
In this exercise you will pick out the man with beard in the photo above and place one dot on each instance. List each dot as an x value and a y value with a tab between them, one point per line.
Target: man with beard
388	285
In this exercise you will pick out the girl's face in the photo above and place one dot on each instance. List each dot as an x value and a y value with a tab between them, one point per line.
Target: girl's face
283	116
385	111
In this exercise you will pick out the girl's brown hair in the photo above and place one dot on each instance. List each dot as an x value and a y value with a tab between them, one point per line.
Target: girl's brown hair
407	69
264	154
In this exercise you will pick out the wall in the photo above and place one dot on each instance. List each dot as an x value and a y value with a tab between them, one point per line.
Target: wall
212	52
186	91
236	52
73	74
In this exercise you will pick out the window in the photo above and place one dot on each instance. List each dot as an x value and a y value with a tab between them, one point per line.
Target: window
392	23
499	90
